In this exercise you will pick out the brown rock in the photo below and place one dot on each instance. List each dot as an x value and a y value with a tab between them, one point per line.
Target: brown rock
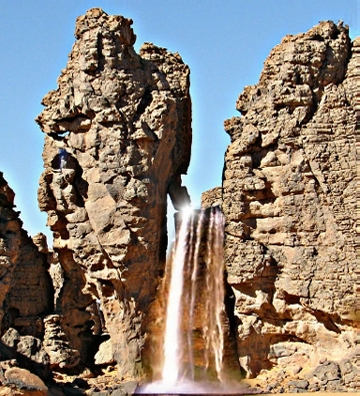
211	197
117	139
61	355
25	285
28	383
26	351
289	199
105	354
9	240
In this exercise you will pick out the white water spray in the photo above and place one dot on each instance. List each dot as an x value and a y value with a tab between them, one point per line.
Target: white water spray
193	344
172	340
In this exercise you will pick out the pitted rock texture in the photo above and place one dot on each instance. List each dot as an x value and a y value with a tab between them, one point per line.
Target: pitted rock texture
9	242
289	199
26	292
211	197
26	351
117	139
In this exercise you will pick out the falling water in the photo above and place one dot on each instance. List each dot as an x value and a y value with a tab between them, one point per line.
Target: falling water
172	340
193	338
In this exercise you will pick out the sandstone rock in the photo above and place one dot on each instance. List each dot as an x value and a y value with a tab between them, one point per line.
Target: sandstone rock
25	285
61	355
117	139
27	351
26	381
289	199
211	197
9	241
328	371
105	354
301	384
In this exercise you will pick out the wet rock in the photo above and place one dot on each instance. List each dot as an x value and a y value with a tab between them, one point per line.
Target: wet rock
127	389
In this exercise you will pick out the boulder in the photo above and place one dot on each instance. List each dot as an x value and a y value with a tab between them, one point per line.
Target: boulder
26	382
27	351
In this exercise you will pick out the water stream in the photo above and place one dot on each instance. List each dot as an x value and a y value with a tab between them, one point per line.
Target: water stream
193	344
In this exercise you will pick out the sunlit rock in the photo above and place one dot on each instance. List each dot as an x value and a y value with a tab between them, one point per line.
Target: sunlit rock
117	139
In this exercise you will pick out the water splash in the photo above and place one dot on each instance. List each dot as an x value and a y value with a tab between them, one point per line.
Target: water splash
193	344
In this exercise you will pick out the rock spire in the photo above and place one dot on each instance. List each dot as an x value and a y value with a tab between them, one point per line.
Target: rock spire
289	199
117	139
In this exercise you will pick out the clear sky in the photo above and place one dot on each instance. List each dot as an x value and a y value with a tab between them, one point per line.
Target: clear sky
225	43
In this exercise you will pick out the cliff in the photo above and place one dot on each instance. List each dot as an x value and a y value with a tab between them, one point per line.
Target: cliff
25	285
117	139
289	199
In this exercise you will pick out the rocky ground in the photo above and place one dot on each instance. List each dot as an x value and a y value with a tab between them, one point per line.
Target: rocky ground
327	377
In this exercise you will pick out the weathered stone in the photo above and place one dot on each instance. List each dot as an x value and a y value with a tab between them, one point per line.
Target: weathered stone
127	389
211	197
289	199
105	354
25	285
26	291
117	139
328	371
27	351
61	355
26	381
301	384
9	240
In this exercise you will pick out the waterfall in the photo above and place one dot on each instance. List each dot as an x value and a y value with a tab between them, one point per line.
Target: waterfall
172	339
193	341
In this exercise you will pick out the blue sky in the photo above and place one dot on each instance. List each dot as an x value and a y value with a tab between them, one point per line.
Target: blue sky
225	43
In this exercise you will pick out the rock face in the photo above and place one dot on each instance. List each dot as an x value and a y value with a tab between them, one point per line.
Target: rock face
26	292
26	297
117	139
10	241
289	199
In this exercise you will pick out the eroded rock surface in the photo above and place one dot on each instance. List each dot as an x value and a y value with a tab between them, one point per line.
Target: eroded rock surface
117	139
289	199
26	292
9	242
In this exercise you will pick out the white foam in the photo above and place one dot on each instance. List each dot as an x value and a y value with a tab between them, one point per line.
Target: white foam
190	387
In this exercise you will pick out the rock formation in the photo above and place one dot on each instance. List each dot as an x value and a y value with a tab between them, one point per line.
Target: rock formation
26	297
10	241
117	139
289	199
25	285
